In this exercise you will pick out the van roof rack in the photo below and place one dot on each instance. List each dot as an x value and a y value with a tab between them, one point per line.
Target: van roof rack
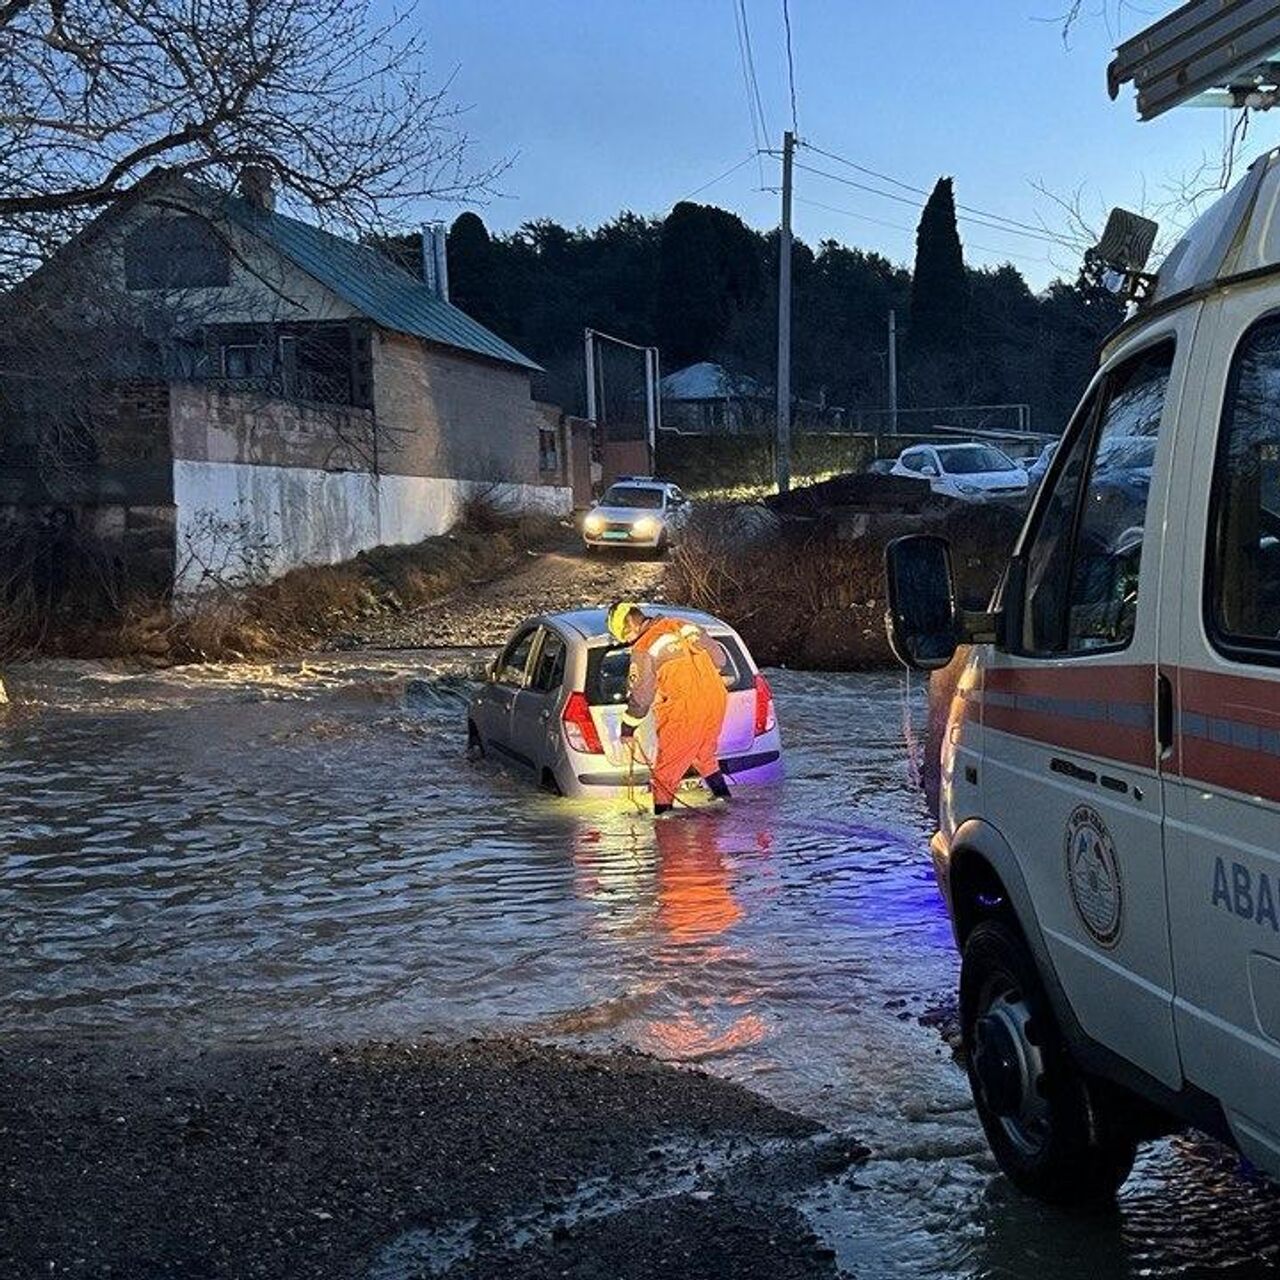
1206	53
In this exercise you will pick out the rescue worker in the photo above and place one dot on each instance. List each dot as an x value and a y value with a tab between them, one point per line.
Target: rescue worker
675	673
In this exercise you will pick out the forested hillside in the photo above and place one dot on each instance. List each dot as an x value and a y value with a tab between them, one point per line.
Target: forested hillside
702	285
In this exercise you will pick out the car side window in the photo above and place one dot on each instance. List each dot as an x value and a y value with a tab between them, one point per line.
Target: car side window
1083	563
1243	593
912	461
515	659
548	672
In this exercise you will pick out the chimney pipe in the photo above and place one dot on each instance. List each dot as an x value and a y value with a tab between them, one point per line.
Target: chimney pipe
257	188
435	259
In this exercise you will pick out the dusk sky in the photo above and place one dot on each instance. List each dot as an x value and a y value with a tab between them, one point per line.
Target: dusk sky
630	105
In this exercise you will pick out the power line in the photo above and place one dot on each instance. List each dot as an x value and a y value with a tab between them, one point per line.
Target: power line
898	226
754	100
920	191
744	60
1030	234
791	67
746	160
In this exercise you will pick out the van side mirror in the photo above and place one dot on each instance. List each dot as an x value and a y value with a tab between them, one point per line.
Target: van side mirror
923	620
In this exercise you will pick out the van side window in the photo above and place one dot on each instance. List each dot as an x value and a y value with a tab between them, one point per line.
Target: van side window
1083	565
1244	551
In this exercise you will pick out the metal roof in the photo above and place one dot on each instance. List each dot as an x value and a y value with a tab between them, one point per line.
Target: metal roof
373	284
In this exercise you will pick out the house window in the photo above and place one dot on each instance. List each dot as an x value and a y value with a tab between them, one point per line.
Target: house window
175	253
244	360
548	449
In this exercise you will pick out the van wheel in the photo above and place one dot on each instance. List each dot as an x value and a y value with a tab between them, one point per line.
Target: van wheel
1054	1134
475	743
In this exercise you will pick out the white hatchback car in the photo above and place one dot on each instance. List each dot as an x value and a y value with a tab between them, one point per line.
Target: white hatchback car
552	703
970	472
636	511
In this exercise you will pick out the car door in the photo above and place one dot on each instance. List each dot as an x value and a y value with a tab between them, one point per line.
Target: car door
1073	769
535	730
494	704
1224	820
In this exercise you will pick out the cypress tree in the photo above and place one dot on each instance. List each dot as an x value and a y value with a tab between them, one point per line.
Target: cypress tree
939	285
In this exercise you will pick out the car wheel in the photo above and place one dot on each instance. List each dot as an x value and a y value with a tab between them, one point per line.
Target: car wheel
549	783
664	545
475	743
1054	1132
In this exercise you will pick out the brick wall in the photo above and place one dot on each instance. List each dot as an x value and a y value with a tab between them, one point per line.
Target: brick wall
214	424
441	413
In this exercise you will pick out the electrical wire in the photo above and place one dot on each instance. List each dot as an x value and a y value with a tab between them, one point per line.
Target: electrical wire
791	66
899	226
1041	235
746	160
744	60
920	191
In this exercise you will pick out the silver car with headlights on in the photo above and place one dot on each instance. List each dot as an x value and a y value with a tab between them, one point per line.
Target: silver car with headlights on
636	511
551	706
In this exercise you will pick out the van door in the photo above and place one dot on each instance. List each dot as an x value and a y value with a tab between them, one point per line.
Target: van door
1224	816
1073	775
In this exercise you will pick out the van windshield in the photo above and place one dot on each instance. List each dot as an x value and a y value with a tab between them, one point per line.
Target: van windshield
631	495
607	671
968	460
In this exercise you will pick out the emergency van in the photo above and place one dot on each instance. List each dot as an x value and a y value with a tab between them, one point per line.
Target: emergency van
1109	843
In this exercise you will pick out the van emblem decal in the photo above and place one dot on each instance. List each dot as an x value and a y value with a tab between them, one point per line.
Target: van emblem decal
1093	876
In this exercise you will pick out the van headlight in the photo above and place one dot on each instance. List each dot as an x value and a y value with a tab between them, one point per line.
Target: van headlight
645	527
593	523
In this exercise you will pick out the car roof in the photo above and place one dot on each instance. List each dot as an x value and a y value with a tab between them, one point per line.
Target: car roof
590	623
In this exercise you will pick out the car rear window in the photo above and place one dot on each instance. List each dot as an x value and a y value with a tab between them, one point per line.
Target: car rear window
607	671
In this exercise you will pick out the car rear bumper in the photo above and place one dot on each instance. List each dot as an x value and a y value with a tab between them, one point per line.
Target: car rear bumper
608	782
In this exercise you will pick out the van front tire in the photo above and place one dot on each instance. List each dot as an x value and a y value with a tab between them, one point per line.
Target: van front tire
1055	1134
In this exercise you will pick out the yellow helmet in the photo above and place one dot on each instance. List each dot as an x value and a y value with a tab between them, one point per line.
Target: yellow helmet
616	618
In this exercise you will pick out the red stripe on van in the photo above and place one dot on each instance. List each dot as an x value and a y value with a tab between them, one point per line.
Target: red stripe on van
1093	711
1236	723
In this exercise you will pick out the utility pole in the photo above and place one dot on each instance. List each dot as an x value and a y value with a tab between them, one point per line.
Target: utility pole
784	320
893	372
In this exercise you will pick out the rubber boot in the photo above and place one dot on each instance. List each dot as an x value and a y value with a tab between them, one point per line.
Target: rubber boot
717	785
660	809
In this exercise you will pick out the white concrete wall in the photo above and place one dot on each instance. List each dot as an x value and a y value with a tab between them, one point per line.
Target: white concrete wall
237	521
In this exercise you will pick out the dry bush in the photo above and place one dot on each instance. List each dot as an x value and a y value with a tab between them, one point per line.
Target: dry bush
291	614
810	593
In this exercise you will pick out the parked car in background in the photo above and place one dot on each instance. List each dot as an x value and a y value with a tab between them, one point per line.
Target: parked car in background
969	472
881	467
636	511
1036	471
551	705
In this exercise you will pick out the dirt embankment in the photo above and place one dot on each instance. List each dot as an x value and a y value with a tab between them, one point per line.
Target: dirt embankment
493	1158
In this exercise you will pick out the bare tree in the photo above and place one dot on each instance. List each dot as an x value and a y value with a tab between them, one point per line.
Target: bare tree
334	102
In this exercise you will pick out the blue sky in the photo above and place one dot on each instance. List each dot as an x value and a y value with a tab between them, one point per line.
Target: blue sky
635	104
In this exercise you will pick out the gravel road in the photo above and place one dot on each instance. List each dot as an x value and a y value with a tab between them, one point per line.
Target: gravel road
484	612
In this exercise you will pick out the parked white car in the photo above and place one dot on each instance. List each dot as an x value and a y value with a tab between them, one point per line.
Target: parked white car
969	472
552	702
636	511
1036	471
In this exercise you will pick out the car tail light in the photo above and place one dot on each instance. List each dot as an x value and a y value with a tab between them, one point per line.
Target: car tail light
765	717
579	727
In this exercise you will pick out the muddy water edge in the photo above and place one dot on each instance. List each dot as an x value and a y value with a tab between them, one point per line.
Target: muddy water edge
290	987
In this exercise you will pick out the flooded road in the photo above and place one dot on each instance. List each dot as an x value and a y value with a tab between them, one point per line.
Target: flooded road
301	854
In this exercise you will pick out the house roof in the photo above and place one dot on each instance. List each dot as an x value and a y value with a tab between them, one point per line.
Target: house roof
707	381
373	284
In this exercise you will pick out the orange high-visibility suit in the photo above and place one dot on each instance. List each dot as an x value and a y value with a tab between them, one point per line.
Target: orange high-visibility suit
675	671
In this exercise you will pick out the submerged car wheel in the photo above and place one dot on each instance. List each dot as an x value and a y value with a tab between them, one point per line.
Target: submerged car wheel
475	743
1053	1131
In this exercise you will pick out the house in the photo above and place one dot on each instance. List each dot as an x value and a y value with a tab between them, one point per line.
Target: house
288	396
706	399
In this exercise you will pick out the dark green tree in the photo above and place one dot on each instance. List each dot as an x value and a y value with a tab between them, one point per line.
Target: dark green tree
472	275
939	287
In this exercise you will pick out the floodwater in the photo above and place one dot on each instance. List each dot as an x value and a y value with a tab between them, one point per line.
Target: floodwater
300	852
